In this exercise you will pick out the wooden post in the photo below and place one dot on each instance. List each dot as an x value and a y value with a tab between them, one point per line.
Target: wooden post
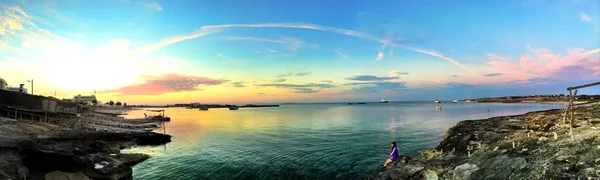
572	114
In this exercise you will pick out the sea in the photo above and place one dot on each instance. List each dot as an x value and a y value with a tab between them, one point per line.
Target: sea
303	141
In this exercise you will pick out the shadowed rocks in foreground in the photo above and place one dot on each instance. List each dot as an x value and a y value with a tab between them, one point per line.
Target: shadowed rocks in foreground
32	150
535	145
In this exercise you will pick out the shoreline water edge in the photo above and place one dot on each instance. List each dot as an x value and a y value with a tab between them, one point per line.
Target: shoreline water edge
534	145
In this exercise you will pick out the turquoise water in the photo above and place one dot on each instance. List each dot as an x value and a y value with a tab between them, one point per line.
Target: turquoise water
303	141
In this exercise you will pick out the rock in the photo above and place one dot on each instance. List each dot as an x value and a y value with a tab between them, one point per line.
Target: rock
130	159
430	175
464	171
541	139
542	122
59	175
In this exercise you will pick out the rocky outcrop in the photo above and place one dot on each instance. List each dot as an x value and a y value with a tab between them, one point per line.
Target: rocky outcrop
74	155
535	145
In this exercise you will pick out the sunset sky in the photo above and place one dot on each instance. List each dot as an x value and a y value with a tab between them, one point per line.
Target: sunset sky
274	51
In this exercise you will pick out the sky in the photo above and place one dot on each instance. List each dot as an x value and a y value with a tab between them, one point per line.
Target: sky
276	51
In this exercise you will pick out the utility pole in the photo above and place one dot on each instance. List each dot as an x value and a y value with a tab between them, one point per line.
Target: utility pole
31	85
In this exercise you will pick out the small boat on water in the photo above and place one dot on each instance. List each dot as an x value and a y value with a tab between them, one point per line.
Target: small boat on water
437	101
384	101
468	101
361	103
455	101
234	108
160	116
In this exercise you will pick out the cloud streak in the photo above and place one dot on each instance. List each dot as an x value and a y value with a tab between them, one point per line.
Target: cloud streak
292	43
166	84
492	74
584	17
299	88
205	30
379	55
371	78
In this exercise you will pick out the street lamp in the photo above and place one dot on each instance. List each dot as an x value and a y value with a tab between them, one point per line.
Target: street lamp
31	81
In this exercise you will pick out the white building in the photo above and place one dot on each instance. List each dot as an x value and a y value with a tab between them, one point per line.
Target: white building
85	99
21	89
3	84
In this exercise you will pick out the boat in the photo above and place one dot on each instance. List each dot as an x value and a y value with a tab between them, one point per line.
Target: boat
361	103
438	107
384	101
234	108
437	101
160	116
469	99
455	101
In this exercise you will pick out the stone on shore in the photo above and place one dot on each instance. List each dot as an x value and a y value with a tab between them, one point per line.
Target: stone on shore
59	175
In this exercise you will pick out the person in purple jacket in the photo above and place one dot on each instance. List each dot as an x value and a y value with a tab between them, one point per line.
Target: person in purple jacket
394	155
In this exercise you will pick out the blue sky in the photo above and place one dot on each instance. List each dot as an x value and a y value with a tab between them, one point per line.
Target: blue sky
169	51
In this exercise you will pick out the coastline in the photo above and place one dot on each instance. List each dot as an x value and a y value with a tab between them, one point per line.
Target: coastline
61	150
534	145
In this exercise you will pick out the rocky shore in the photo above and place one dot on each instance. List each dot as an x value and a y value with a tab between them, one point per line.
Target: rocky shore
35	150
535	145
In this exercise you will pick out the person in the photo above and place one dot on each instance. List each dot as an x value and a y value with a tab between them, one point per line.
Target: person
394	155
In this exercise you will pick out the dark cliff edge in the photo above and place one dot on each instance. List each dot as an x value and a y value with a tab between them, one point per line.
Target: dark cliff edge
535	145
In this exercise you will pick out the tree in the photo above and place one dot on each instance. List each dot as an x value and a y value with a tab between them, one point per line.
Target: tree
106	103
111	102
125	104
118	103
94	102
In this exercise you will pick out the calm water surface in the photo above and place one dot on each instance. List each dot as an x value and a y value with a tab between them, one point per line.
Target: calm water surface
302	141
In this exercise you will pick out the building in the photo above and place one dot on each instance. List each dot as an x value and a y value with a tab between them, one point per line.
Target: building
20	89
85	99
3	84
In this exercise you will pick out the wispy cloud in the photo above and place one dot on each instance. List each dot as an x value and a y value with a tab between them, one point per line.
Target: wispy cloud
455	76
216	28
292	43
542	63
584	17
292	74
341	53
379	55
396	73
370	78
492	74
167	83
327	81
300	88
222	56
303	74
155	6
238	84
279	80
176	39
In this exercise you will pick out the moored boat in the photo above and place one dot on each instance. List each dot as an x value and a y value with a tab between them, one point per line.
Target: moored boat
384	101
234	108
455	101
